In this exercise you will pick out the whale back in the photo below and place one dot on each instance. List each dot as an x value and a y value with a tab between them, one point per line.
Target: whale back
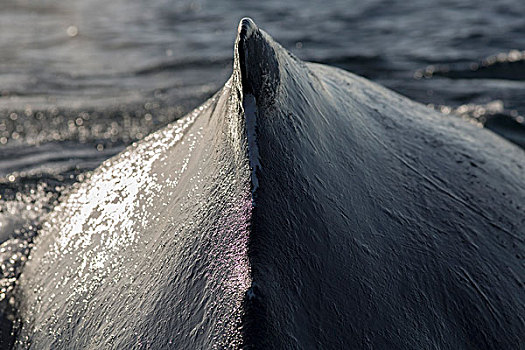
150	252
380	223
300	207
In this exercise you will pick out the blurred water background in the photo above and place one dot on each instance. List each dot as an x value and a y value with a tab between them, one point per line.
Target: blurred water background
82	79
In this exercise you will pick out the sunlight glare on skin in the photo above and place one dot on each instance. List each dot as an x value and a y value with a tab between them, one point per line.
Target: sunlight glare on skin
104	215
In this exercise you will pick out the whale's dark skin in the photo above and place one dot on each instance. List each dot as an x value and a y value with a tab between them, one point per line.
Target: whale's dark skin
368	222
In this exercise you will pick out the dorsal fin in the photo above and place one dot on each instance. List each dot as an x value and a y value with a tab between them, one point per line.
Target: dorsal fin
256	60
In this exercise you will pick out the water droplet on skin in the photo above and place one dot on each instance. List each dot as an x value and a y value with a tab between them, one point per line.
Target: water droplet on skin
72	31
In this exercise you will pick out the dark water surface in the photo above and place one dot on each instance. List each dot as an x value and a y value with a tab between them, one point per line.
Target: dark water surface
80	80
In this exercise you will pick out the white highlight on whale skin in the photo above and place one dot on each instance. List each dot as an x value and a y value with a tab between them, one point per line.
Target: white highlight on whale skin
250	113
248	25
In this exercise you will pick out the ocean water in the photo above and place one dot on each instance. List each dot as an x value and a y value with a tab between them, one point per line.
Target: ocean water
80	80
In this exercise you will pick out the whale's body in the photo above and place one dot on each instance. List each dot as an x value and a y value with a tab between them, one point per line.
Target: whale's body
300	207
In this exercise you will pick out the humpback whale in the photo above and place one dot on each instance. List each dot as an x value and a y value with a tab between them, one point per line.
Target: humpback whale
300	207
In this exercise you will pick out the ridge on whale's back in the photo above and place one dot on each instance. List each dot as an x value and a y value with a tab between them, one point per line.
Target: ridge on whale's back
300	207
